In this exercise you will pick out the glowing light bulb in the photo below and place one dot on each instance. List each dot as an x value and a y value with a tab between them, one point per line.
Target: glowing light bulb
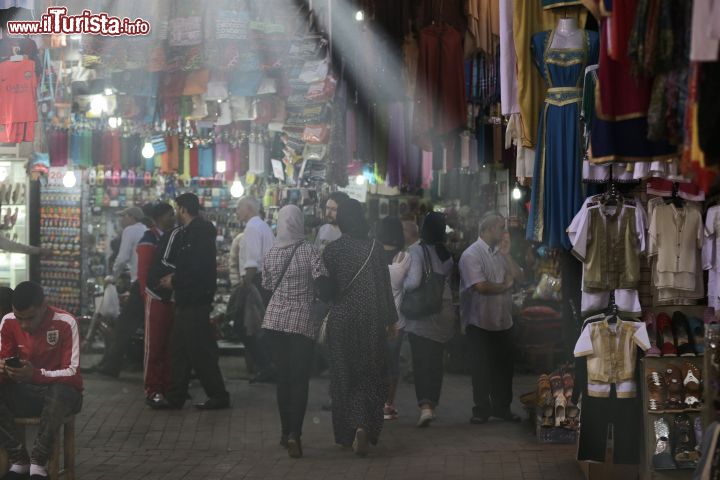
148	151
360	180
359	16
69	179
98	105
516	193
236	189
221	166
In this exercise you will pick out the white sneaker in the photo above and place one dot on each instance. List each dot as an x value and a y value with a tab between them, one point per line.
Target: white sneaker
426	416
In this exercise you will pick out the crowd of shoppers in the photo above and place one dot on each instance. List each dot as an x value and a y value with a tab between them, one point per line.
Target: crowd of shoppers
346	292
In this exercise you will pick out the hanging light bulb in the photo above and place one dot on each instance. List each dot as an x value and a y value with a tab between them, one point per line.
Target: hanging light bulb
236	189
221	166
98	105
148	151
69	179
359	16
360	180
516	193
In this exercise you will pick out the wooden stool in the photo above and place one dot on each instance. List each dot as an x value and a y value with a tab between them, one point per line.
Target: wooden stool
54	463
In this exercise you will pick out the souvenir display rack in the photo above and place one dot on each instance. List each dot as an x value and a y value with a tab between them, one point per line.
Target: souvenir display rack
61	233
647	472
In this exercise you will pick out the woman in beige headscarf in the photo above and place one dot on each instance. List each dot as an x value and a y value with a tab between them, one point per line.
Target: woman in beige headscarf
289	269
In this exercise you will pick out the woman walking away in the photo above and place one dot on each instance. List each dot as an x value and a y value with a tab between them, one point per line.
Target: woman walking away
289	270
389	232
429	333
362	314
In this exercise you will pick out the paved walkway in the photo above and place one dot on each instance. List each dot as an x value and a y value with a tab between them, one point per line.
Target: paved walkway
120	438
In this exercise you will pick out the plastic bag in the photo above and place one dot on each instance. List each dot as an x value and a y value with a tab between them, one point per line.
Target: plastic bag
110	303
549	288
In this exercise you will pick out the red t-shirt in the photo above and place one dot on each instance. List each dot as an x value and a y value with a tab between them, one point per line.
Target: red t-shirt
17	92
54	349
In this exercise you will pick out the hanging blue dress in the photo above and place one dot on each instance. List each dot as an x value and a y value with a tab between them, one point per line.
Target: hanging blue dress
557	191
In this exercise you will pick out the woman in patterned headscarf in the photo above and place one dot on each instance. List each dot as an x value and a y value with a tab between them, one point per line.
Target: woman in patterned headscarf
362	314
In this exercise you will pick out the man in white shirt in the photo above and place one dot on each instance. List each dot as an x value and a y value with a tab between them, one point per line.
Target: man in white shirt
133	312
330	231
488	273
133	231
257	240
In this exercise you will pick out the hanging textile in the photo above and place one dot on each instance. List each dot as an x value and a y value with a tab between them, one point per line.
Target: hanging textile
557	191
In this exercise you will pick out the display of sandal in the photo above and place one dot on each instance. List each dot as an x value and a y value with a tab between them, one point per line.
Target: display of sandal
556	384
683	338
560	404
685	453
666	335
657	391
543	389
692	380
697	331
673	380
650	324
547	419
572	413
662	458
568	384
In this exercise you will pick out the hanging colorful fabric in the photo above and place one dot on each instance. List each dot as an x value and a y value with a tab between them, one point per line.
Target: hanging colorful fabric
206	163
158	143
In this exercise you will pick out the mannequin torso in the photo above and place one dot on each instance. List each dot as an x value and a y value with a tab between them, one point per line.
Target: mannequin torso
567	35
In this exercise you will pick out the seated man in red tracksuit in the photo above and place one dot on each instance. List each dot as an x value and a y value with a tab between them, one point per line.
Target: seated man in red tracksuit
43	344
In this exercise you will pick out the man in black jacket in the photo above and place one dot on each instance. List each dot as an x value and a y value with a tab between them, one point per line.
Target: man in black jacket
190	255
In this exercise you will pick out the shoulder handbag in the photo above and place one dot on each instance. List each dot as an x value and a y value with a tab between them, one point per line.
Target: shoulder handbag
427	299
287	265
322	334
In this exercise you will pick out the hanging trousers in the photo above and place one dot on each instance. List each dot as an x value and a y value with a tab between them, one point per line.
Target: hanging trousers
52	403
130	319
192	346
492	371
293	357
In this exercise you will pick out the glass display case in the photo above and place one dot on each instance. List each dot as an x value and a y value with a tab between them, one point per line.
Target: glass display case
14	193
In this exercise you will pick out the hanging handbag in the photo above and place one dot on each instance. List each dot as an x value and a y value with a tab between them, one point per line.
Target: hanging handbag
322	332
426	299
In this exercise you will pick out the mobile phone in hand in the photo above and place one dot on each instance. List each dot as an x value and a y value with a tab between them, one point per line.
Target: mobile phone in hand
13	362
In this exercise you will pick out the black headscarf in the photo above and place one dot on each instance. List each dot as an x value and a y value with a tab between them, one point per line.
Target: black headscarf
351	219
433	233
389	231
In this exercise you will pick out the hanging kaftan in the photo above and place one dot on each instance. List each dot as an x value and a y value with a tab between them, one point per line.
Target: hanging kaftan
557	192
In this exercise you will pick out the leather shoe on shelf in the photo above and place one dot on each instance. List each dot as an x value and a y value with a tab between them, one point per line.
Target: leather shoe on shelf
214	404
692	379
666	336
684	339
685	453
697	331
657	391
662	458
651	326
674	382
560	404
697	427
